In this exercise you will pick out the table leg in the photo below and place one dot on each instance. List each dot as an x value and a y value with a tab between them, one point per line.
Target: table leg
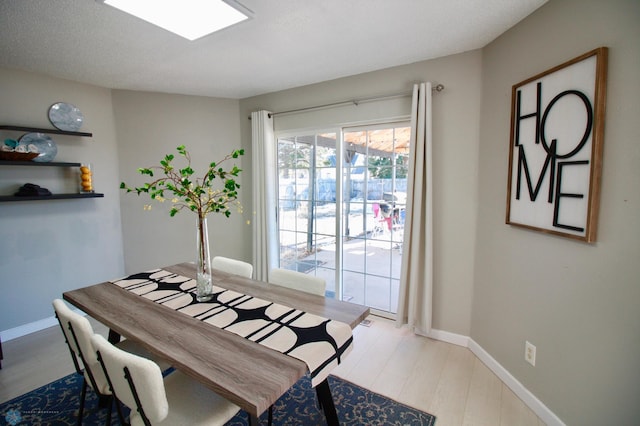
326	402
253	420
113	337
1	356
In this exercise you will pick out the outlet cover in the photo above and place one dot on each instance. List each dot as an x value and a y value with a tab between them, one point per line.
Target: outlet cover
530	353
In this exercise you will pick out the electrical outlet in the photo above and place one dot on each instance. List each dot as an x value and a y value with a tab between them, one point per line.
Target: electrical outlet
530	353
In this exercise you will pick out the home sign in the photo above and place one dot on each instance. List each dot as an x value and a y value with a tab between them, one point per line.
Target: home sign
555	152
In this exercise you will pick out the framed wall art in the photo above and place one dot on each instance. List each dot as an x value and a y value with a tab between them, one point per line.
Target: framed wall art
555	152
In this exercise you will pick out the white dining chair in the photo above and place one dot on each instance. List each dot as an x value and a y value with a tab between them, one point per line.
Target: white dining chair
298	281
77	332
175	400
232	266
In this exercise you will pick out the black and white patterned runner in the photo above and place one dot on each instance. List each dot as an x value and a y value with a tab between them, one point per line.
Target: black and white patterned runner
321	343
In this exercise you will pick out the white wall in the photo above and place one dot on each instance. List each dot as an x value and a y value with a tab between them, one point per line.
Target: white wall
48	247
455	128
577	302
151	125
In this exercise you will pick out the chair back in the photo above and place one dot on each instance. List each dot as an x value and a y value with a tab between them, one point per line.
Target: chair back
136	382
298	281
78	331
232	266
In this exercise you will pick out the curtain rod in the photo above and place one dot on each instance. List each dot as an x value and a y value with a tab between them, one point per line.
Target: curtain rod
356	102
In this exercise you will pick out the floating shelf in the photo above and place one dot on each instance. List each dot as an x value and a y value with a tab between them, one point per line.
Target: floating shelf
39	163
7	198
39	130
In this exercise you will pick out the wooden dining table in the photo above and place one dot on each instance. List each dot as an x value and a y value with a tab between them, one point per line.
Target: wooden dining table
248	374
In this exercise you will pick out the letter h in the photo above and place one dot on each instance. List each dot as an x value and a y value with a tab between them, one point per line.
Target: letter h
535	114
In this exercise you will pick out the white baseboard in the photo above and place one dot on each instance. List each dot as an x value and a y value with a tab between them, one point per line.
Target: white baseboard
541	410
446	336
32	327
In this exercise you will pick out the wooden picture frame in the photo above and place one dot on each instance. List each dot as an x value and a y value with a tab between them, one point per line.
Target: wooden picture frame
555	151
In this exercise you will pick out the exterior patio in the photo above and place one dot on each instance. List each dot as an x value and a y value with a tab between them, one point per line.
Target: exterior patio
371	259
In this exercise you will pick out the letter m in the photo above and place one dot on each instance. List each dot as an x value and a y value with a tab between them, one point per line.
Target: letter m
523	165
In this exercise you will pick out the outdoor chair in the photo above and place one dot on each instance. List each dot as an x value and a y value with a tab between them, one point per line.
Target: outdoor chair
382	221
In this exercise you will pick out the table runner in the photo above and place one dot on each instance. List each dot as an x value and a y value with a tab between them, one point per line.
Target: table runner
319	342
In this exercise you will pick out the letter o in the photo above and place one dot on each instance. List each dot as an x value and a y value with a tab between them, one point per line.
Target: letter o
587	130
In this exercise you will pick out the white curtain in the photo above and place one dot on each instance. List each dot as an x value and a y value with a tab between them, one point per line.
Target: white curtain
264	167
416	274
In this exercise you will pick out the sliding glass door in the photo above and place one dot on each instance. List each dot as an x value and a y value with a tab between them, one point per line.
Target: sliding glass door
307	204
341	216
375	170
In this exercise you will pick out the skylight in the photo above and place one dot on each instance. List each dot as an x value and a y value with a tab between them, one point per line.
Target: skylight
190	19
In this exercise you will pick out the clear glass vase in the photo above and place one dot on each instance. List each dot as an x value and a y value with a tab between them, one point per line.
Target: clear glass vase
204	287
86	178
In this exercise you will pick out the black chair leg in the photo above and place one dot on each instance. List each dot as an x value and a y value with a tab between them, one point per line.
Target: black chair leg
120	413
270	418
109	408
83	394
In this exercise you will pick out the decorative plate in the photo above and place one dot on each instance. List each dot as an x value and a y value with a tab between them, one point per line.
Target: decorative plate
65	117
43	143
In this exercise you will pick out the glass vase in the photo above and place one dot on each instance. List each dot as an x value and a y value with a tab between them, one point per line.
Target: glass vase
86	178
204	284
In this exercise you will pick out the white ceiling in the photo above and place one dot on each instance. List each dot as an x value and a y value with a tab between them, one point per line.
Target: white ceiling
289	43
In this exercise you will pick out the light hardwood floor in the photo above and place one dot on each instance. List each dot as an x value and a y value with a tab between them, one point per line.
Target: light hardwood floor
445	380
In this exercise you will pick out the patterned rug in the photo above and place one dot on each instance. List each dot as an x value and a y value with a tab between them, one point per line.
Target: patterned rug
57	404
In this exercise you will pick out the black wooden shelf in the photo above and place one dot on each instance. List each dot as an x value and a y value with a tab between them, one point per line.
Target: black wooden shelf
39	130
7	198
39	163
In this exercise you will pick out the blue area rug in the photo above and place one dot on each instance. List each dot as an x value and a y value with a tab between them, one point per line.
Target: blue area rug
57	404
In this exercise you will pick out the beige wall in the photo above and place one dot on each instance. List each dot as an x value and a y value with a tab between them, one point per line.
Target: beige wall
577	302
151	125
51	247
47	247
455	129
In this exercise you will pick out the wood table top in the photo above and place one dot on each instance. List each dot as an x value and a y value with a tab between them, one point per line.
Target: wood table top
248	374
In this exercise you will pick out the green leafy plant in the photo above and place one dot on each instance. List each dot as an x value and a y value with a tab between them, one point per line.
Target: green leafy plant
214	192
